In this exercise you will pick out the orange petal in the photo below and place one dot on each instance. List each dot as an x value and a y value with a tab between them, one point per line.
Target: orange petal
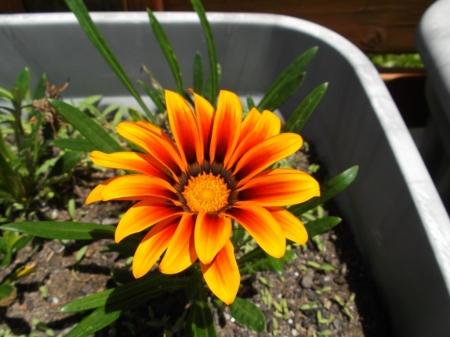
137	187
293	228
226	127
161	148
96	193
279	187
265	154
211	233
222	275
143	215
184	128
152	246
267	125
133	161
181	251
204	111
262	227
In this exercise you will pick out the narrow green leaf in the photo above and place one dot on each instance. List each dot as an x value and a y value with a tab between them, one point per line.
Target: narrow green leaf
248	314
6	290
198	74
41	86
135	115
22	242
292	71
328	190
321	225
65	163
278	264
74	144
167	49
129	295
22	85
80	254
110	109
6	94
250	103
87	127
154	97
94	111
211	50
200	322
304	110
81	12
207	93
91	100
287	89
65	230
97	320
118	117
192	285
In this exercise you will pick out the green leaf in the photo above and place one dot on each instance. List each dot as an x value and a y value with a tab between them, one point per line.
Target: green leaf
328	190
321	225
65	163
4	149
198	74
248	314
41	86
119	116
200	322
81	12
6	290
250	103
278	264
129	295
167	49
304	110
66	230
91	100
22	242
22	86
6	94
80	254
292	71
100	318
286	91
135	115
87	127
192	285
153	96
214	72
127	246
74	144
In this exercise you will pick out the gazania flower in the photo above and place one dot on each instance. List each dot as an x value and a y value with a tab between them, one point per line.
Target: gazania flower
190	190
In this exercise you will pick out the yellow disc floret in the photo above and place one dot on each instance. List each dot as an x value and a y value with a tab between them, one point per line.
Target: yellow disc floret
206	193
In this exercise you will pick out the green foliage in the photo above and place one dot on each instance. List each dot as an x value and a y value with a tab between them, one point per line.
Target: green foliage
396	60
248	314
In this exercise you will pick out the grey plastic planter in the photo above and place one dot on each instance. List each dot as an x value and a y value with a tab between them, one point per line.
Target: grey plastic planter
398	219
433	43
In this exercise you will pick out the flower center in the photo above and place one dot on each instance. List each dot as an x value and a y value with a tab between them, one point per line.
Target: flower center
206	193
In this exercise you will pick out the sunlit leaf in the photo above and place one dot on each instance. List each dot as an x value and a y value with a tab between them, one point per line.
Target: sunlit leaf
97	320
328	190
321	225
81	12
93	132
74	144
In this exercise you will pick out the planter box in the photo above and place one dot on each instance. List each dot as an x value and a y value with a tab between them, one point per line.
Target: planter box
398	219
433	41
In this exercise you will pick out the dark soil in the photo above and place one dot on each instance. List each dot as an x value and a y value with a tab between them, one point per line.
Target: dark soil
303	301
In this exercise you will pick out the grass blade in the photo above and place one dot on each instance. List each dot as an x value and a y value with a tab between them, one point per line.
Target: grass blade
65	230
214	73
167	49
154	97
79	9
97	320
304	110
74	144
198	74
93	132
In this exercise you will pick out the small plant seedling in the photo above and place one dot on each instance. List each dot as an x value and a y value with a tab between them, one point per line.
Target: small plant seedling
320	266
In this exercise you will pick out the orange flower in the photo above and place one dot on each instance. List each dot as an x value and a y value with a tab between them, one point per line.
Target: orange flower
190	191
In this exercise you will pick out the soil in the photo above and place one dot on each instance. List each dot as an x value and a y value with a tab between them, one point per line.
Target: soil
302	301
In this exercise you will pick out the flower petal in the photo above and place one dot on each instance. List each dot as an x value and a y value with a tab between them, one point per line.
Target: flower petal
293	228
222	275
204	111
279	187
211	233
160	147
226	127
96	193
265	154
262	227
143	215
184	128
180	253
267	125
137	187
152	246
133	161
